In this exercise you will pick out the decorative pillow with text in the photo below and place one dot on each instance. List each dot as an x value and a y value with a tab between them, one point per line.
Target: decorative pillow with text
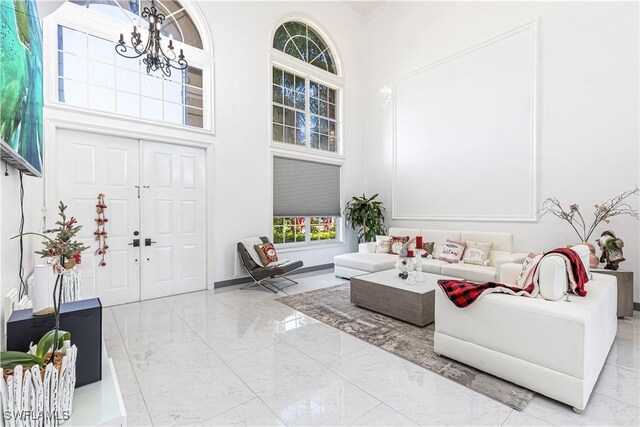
452	251
383	244
477	253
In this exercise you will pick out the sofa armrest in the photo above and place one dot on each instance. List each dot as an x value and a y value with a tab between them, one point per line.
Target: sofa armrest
367	247
508	273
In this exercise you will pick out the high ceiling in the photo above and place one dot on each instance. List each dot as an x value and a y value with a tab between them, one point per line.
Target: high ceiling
364	7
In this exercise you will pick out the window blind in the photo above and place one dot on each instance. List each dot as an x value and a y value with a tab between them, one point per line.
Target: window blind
304	188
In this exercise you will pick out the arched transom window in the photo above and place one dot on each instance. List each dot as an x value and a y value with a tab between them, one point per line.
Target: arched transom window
91	76
300	41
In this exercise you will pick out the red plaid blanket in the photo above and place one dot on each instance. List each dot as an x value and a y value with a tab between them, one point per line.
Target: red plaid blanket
463	293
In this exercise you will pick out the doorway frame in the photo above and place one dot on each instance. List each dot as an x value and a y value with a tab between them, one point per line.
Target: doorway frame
56	117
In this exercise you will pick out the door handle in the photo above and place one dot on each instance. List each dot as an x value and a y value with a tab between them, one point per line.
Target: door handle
148	242
135	243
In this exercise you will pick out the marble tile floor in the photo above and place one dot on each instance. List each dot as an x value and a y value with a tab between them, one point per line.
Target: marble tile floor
237	357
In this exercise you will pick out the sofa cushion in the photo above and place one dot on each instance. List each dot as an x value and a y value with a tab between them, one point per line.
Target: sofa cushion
366	261
475	273
431	265
494	254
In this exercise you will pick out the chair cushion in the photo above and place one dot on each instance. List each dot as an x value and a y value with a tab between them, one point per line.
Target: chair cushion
366	261
476	273
266	272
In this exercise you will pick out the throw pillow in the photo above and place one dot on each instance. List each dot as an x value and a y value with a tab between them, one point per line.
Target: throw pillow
427	247
526	273
452	251
267	253
383	244
396	244
477	253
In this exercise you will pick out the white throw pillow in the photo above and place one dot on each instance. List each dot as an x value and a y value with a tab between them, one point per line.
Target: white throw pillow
477	253
452	251
383	244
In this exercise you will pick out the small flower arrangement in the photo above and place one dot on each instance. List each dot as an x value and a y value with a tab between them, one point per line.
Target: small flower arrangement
604	211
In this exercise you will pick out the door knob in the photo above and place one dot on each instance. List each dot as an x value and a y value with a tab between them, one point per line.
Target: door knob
148	242
135	243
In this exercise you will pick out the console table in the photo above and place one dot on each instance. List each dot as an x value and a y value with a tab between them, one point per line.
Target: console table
625	290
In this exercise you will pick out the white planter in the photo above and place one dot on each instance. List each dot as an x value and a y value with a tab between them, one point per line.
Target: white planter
36	397
41	285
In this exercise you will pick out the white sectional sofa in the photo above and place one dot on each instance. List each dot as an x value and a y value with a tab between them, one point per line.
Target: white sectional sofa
367	261
553	347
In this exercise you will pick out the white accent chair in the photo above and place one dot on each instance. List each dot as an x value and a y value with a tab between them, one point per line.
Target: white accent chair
367	261
550	346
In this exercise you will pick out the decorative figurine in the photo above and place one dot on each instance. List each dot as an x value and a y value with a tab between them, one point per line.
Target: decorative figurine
403	260
611	248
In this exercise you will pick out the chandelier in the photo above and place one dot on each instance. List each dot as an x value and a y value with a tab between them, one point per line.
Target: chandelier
155	57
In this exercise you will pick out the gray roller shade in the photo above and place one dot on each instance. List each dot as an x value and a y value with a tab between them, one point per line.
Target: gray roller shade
304	188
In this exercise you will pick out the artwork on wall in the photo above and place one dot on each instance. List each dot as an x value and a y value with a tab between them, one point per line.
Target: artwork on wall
21	85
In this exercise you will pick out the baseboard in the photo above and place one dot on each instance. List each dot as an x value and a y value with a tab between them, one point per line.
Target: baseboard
247	279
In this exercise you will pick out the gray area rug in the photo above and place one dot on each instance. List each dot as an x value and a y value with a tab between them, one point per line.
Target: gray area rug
413	343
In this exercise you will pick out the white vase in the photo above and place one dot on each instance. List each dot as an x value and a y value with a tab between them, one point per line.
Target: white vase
41	285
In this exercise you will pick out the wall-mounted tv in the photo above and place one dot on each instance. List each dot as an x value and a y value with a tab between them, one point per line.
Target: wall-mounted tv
21	85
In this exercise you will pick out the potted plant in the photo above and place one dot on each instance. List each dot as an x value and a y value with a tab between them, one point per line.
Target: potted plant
603	212
45	374
366	214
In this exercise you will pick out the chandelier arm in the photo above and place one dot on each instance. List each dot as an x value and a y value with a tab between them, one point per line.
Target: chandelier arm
123	49
143	51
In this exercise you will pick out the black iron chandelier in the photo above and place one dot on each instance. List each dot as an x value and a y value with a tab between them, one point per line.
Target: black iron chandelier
155	57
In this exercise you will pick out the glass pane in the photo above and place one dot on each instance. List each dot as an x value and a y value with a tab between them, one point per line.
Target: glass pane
315	140
300	101
300	84
277	94
277	76
324	126
151	109
193	77
278	133
323	109
101	49
72	93
128	81
313	105
173	113
194	117
173	92
324	142
129	64
289	135
300	120
102	99
313	89
101	74
289	81
278	114
128	104
194	97
72	41
313	122
323	92
289	117
289	98
300	137
332	96
332	111
72	67
189	30
151	86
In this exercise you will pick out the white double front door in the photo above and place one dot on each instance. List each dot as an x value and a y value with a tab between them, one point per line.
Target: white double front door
155	197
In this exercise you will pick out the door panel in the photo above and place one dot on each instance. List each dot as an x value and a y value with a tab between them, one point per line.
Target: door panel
86	165
173	217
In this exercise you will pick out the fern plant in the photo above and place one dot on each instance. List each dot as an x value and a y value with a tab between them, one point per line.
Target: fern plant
365	214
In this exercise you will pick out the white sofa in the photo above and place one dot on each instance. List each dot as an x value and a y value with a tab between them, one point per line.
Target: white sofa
367	261
553	347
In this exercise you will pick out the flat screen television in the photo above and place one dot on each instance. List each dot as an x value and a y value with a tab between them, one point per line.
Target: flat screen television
21	86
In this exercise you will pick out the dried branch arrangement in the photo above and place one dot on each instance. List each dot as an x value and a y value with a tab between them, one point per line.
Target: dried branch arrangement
603	212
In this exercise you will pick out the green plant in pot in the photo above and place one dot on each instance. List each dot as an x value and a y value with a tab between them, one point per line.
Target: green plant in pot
63	251
365	214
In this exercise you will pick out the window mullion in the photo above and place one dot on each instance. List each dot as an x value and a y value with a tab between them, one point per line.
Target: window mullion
307	237
307	109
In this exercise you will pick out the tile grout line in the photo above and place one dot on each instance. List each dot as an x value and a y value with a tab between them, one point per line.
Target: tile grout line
230	369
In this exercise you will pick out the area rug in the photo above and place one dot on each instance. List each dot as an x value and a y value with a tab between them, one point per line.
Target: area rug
413	343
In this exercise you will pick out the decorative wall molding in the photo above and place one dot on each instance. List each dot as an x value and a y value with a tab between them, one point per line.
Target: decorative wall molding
533	27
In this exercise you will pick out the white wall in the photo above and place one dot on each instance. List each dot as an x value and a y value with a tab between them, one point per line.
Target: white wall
589	132
242	39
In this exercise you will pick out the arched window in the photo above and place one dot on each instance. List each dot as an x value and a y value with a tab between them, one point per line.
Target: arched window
300	41
91	75
306	115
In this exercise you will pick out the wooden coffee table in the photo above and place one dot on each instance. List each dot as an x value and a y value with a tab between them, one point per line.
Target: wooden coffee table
388	294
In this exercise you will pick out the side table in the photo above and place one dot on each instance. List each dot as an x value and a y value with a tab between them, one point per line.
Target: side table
625	290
